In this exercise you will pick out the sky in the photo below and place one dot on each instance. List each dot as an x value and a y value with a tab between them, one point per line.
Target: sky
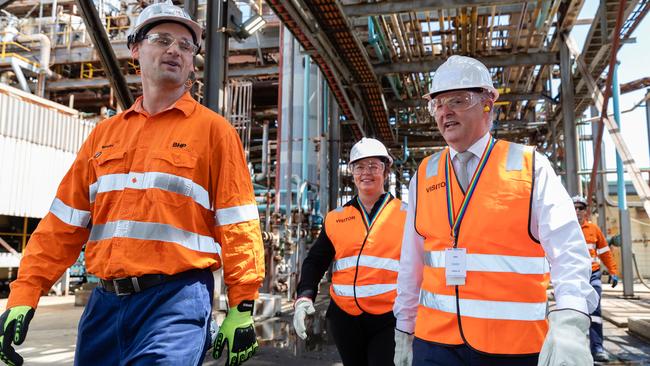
633	60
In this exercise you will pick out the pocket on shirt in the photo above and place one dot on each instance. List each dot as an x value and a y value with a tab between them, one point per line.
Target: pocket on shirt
170	176
110	171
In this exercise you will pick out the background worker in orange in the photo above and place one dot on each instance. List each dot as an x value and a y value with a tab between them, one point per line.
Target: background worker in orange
161	196
598	248
362	240
484	217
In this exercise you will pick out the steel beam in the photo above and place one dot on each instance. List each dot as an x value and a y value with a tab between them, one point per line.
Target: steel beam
600	178
102	45
405	6
569	123
334	152
4	3
521	59
216	52
96	83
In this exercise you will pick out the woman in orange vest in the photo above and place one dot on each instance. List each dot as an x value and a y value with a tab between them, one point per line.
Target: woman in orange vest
362	241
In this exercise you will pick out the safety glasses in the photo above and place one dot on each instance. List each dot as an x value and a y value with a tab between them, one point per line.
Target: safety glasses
457	102
165	41
358	169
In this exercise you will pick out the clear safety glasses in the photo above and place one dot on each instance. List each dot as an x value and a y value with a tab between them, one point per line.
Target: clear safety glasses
457	102
358	169
165	41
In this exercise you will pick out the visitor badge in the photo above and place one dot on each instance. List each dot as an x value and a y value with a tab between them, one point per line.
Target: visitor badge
455	266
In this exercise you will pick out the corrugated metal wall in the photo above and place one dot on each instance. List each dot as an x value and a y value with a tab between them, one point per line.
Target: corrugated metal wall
38	142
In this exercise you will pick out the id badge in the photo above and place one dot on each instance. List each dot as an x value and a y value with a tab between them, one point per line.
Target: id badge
455	266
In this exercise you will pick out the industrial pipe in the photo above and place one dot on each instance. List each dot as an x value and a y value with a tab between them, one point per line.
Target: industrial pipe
19	75
45	50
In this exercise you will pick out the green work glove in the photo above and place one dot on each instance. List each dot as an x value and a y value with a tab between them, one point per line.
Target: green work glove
237	333
15	322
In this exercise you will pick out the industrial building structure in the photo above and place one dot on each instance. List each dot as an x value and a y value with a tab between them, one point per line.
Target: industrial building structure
303	80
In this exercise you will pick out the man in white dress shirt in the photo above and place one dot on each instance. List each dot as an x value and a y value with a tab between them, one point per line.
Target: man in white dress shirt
478	295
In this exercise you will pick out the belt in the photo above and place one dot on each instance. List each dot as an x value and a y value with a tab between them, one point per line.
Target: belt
131	285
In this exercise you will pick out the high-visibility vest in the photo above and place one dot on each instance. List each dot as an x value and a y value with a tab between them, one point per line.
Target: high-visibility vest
598	248
366	260
502	307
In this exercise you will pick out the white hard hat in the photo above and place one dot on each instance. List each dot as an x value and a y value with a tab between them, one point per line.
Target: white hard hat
164	12
367	148
579	199
461	72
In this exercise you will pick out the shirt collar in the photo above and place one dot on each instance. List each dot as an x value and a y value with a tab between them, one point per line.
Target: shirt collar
477	148
185	104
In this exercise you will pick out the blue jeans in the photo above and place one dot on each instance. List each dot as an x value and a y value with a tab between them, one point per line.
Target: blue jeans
168	324
596	328
431	354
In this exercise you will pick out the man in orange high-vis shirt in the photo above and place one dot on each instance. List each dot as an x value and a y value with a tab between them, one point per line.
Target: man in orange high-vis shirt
488	225
161	196
598	249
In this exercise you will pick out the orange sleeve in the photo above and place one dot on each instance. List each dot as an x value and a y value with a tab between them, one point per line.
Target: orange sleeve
57	241
237	225
604	253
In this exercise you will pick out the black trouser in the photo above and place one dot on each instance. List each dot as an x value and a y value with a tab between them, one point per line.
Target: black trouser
364	339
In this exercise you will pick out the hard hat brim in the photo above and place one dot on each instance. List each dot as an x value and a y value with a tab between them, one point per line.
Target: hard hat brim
194	27
477	89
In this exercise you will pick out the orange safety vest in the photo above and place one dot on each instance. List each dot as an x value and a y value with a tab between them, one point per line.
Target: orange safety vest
502	307
366	259
598	248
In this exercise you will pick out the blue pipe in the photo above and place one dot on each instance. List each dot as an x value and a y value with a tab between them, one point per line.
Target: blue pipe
305	118
376	41
405	153
620	172
546	6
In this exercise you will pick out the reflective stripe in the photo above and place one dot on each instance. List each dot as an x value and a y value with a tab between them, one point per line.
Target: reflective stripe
366	261
432	165
404	206
235	215
493	263
154	231
515	160
596	319
485	309
591	246
148	180
69	215
602	250
364	291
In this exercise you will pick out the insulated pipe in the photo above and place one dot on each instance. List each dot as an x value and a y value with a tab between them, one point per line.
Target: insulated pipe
19	75
305	119
45	50
260	177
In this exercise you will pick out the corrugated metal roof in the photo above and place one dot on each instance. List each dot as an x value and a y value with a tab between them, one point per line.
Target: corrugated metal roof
38	143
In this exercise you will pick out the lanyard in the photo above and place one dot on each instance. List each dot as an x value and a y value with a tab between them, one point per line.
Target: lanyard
367	219
455	221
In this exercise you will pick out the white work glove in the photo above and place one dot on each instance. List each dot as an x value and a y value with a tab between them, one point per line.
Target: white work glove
567	341
303	307
403	348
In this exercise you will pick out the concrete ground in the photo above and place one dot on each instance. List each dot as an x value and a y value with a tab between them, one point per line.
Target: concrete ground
53	331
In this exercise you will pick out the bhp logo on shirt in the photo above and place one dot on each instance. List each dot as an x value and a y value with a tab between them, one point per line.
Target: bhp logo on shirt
433	187
179	145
